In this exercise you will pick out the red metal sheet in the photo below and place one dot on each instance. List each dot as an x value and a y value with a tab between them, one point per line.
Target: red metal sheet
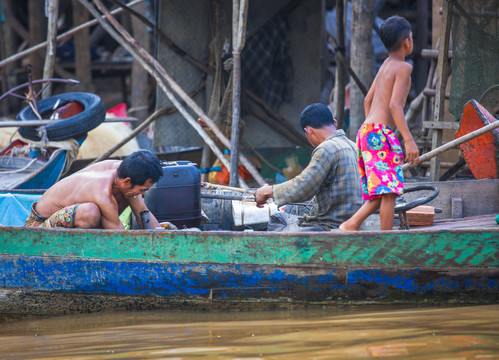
480	153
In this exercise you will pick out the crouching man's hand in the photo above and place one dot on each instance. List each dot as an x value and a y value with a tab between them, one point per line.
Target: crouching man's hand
262	194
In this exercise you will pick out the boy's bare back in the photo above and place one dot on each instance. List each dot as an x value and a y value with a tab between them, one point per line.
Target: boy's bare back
389	89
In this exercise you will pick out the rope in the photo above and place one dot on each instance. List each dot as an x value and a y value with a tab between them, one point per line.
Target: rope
19	170
70	146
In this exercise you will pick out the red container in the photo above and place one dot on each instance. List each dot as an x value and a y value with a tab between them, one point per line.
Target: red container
176	197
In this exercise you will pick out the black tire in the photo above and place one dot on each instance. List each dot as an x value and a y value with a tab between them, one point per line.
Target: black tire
93	114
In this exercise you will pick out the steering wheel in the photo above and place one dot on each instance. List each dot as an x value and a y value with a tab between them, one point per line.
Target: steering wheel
402	207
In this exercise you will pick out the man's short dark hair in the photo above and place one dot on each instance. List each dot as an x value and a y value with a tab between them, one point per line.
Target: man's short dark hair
140	166
316	116
394	31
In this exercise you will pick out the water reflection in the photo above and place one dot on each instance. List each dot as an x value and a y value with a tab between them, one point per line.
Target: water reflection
340	333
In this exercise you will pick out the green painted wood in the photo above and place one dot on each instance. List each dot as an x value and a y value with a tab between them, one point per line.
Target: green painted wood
460	248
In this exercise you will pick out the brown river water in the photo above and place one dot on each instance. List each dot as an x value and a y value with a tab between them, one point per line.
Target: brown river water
334	333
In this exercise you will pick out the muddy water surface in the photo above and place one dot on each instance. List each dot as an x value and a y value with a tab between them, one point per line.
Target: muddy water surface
339	333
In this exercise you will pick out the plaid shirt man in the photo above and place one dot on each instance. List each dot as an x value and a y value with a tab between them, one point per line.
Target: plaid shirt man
332	177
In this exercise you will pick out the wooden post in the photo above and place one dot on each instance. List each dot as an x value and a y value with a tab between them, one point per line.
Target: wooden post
66	35
52	9
162	77
420	43
442	61
83	61
239	10
340	83
140	77
361	55
4	44
37	33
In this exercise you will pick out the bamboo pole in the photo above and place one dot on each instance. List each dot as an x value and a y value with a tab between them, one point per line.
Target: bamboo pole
63	36
134	133
345	63
239	12
142	126
52	8
159	74
441	149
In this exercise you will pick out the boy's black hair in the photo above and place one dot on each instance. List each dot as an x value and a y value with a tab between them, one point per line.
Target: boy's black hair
140	166
393	31
316	116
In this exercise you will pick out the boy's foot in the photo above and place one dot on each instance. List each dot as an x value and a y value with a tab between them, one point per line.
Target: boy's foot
347	227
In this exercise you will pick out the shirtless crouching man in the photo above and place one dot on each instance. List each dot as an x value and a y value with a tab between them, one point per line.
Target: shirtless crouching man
95	196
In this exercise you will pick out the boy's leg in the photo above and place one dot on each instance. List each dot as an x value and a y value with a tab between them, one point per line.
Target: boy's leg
387	211
353	224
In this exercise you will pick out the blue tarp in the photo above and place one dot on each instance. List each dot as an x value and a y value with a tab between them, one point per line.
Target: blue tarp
15	208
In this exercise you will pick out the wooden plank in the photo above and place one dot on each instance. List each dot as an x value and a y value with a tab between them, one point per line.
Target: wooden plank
441	125
394	248
27	123
433	54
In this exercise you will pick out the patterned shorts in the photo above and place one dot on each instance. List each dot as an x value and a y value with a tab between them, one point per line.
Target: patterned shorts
62	218
380	161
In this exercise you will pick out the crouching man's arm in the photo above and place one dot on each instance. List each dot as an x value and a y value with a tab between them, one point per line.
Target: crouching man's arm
138	205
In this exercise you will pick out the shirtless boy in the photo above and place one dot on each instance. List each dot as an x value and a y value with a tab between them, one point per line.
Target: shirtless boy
379	151
95	196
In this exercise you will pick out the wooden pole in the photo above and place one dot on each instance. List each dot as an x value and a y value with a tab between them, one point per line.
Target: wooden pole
345	63
451	144
239	10
361	54
140	78
442	61
63	36
83	61
36	22
134	133
142	126
157	71
340	83
52	9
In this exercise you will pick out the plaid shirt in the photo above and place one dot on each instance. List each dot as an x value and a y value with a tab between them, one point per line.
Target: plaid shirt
332	177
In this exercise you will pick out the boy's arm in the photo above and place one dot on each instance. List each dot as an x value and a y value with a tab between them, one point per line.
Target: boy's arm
399	95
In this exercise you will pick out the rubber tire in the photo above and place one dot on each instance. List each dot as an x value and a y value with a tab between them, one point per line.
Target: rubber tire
93	114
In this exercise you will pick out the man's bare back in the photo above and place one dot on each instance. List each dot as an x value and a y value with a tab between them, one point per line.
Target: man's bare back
92	184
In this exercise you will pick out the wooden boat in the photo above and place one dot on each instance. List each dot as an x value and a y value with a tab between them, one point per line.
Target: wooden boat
56	271
37	170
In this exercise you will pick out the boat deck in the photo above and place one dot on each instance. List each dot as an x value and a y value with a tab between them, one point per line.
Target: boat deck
473	222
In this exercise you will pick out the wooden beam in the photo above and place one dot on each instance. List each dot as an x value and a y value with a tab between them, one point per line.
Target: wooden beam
441	125
434	54
442	64
361	53
52	7
83	61
340	83
66	35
